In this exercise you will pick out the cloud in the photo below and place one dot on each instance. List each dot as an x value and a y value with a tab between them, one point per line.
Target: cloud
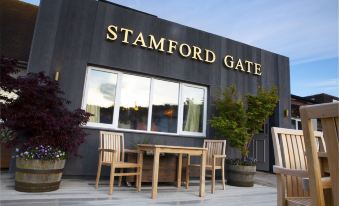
331	83
330	86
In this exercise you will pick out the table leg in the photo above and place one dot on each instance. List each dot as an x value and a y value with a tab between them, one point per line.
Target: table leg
155	173
202	174
188	170
139	177
179	171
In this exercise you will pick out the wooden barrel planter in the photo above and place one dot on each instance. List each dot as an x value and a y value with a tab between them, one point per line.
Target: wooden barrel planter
38	175
239	175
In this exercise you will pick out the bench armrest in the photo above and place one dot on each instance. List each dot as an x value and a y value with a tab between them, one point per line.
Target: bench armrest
292	172
219	156
325	181
106	150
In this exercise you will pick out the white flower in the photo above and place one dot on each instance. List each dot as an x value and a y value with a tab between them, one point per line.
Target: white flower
17	149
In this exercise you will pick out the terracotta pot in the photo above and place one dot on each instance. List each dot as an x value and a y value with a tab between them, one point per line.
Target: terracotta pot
38	175
239	175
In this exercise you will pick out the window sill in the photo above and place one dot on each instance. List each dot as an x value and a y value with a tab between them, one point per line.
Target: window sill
97	127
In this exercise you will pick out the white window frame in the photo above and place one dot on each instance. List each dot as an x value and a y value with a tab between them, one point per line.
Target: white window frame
181	109
114	125
296	123
84	99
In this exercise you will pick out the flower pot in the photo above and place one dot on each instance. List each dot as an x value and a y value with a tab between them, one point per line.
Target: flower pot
38	175
239	175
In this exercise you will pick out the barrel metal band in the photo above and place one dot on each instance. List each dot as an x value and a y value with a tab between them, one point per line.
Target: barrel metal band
29	184
35	171
240	172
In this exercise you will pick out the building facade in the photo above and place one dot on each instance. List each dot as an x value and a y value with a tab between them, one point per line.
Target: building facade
297	102
154	80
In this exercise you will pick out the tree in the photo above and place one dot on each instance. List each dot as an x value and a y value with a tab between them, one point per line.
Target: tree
39	114
237	122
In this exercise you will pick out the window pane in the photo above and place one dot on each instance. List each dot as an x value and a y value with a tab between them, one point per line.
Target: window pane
294	126
193	99
134	102
101	88
165	106
299	125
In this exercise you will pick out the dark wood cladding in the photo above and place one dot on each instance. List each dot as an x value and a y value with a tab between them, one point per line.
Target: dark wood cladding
17	21
71	35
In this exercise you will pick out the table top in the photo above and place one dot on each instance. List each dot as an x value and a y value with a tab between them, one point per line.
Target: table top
141	146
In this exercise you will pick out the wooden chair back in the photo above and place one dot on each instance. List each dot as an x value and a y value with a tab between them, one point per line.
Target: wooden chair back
215	147
329	115
112	140
289	152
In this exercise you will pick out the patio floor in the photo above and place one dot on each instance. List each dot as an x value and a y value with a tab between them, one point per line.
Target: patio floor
82	192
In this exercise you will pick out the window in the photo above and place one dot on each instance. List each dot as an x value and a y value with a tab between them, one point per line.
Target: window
296	124
128	102
101	96
134	102
193	109
165	106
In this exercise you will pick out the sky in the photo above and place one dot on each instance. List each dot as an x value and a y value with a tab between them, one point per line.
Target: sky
306	31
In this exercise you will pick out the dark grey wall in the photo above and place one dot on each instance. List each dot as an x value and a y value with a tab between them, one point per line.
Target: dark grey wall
71	35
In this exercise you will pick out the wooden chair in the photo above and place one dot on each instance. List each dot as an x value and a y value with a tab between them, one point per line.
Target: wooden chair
215	160
329	115
291	165
112	153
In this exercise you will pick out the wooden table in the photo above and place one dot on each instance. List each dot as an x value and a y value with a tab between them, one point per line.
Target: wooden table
157	149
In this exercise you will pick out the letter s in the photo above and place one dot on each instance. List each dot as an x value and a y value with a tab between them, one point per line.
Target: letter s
111	32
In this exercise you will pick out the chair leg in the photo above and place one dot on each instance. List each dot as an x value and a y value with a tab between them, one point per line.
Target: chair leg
111	180
188	172
213	180
98	176
120	177
223	176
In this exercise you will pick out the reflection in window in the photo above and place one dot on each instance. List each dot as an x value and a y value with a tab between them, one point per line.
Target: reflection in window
193	99
101	96
134	102
165	106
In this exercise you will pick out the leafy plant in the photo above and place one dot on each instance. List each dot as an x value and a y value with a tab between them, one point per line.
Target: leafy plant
238	123
38	113
244	162
41	153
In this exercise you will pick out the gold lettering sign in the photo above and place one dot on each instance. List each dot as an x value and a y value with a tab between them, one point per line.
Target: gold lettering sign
242	65
128	36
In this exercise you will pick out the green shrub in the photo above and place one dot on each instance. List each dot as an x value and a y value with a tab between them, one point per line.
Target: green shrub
238	121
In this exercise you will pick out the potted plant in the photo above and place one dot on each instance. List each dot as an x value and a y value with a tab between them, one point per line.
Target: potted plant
44	131
238	121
